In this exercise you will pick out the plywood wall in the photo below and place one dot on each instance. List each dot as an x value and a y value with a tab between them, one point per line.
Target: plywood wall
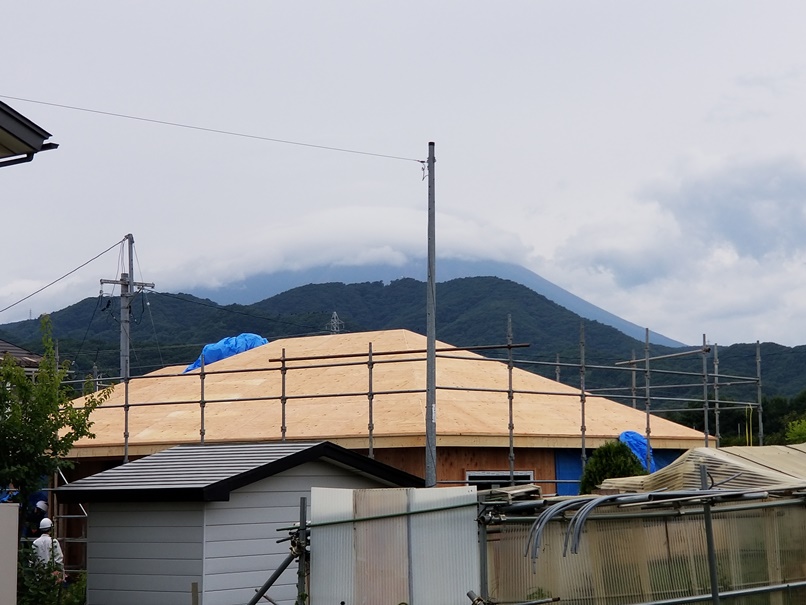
454	463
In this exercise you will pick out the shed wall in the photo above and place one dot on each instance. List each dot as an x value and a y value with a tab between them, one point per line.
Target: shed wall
241	549
144	553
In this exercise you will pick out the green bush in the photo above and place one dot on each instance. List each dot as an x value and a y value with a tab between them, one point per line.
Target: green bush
613	459
796	432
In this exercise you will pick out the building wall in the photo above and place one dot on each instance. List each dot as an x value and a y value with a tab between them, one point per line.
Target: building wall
241	549
568	465
154	552
454	462
144	553
9	541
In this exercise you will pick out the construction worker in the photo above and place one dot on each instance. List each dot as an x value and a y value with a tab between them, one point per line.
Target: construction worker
35	518
47	550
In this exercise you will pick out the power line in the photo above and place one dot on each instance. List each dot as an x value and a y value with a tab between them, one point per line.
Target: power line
87	331
227	309
61	278
215	130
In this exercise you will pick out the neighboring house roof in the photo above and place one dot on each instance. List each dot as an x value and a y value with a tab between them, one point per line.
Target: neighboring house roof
205	473
732	468
328	401
25	358
20	138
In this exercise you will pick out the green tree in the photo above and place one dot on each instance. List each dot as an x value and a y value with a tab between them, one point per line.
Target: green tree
38	422
613	459
796	431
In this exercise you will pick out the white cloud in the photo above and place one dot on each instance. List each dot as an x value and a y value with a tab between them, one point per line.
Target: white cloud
754	206
718	248
649	158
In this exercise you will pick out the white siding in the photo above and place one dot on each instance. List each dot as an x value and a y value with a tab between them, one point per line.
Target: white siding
143	553
241	549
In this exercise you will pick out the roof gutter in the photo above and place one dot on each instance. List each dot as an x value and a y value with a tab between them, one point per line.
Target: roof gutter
27	157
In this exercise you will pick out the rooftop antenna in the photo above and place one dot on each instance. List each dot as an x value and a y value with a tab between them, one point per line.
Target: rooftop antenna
335	325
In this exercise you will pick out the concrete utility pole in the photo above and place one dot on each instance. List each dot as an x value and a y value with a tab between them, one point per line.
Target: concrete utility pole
127	292
431	337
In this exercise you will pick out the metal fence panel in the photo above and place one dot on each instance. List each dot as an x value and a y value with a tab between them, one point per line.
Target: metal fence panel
387	550
643	559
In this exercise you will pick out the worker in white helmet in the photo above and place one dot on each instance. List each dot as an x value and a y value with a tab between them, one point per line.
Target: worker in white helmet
47	549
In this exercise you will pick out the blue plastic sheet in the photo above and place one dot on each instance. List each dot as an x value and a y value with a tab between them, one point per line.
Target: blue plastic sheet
637	444
227	347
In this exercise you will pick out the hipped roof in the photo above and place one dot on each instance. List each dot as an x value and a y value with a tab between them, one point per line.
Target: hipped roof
205	473
472	401
733	468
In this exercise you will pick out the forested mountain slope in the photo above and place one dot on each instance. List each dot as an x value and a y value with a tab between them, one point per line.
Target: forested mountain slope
172	328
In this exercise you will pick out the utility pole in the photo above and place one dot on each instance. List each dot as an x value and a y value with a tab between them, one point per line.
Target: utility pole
431	337
127	292
127	286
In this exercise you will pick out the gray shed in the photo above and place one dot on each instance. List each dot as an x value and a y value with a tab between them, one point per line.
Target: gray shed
208	515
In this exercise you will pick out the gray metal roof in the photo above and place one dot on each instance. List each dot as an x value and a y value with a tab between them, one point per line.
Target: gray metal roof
25	358
210	472
20	137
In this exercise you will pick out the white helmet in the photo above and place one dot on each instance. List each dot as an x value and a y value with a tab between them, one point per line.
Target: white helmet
45	524
42	505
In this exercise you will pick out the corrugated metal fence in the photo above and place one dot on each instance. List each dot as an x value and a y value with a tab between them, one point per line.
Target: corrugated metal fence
656	556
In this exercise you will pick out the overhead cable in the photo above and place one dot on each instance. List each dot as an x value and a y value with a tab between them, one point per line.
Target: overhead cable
59	279
228	309
215	130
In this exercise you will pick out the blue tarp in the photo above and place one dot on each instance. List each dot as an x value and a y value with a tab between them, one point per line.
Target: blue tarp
637	444
227	347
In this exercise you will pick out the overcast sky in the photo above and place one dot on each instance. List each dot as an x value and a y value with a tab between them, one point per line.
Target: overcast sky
649	157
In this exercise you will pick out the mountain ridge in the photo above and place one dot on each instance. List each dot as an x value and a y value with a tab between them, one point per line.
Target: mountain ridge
263	285
171	329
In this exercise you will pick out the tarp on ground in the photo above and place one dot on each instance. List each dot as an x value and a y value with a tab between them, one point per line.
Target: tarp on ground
735	467
227	347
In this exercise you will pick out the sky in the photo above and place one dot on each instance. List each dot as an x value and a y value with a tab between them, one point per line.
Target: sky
648	157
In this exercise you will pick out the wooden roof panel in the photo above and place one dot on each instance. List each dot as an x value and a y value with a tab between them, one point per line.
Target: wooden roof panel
257	413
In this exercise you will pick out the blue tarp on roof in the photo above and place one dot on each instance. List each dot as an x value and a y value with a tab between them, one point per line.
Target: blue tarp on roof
227	347
637	444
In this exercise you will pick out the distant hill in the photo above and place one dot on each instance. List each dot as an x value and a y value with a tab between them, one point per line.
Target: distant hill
170	329
262	286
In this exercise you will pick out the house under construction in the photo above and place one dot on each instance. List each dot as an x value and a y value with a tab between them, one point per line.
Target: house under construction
366	392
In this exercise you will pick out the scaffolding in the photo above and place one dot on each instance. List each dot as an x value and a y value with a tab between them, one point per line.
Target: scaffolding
674	386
